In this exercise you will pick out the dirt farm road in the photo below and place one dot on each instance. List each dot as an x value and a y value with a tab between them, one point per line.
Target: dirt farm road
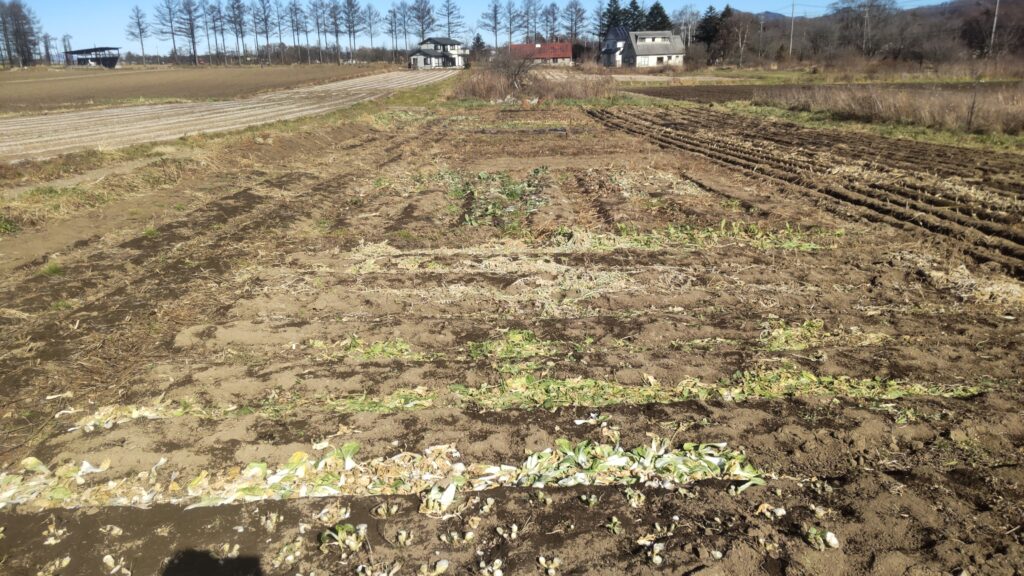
34	137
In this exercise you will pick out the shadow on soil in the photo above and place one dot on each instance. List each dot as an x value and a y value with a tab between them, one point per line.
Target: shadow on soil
199	563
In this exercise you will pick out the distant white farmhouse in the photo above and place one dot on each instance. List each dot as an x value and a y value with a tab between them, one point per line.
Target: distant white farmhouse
439	53
644	49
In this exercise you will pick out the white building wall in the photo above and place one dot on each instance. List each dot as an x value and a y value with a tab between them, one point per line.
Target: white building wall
419	61
652	61
613	60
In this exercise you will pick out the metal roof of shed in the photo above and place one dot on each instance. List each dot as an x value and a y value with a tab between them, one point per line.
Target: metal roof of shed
93	50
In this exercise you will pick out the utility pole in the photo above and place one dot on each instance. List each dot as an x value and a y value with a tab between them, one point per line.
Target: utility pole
867	26
792	24
992	42
760	37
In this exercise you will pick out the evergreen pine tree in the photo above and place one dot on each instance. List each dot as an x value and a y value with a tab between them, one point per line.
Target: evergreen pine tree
611	17
635	16
478	44
708	29
657	18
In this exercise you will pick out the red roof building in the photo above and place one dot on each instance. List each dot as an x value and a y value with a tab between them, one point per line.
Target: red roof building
549	53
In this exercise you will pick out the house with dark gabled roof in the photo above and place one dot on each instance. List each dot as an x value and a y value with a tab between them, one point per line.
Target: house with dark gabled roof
439	53
557	53
642	49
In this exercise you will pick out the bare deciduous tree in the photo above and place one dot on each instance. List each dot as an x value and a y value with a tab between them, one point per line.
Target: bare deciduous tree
741	25
215	11
47	42
318	14
187	26
299	25
529	12
491	19
685	20
451	19
334	24
371	22
512	19
166	23
423	16
138	29
393	28
204	8
236	22
405	20
549	21
280	19
352	21
262	22
574	18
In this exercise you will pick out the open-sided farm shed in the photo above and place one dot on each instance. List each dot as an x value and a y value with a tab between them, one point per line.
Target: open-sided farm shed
106	56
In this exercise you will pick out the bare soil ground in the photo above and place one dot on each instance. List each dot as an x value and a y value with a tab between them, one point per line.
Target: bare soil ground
974	196
45	136
488	337
42	89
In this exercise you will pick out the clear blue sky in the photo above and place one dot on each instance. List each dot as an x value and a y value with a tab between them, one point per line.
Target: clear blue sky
103	23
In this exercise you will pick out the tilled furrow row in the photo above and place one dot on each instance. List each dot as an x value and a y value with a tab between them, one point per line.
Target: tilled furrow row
50	135
904	155
59	129
911	197
175	127
942	160
153	280
986	248
797	159
786	169
14	127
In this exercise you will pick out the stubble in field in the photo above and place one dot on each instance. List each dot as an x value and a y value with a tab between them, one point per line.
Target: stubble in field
534	359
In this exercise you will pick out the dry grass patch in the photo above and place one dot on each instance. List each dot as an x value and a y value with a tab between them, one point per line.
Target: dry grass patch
980	109
502	81
44	202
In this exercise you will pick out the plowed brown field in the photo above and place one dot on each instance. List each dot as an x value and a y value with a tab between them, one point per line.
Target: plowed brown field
49	89
973	196
619	341
53	134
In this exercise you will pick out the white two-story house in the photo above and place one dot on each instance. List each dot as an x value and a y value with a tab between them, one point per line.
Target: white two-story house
644	49
439	53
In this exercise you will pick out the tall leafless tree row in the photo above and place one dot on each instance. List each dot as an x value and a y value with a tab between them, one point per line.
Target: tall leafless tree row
292	31
863	28
280	33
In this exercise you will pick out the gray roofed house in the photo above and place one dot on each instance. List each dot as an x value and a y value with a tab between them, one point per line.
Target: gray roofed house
439	53
642	49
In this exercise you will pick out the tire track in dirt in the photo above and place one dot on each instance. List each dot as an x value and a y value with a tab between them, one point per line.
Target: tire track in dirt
987	241
276	309
45	136
205	241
